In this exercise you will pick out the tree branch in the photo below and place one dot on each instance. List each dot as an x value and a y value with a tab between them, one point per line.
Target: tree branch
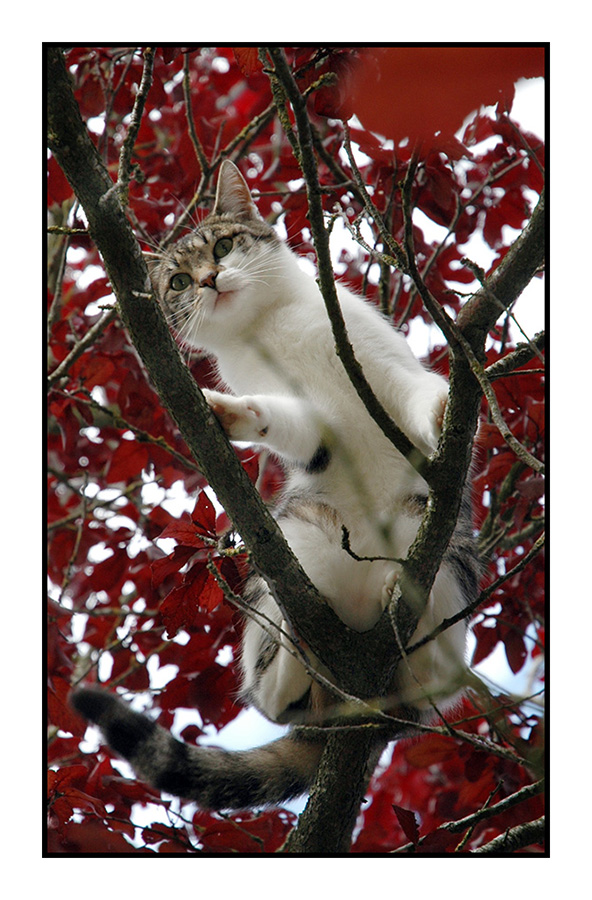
514	839
466	338
437	312
197	146
446	473
327	823
124	174
488	812
425	556
505	284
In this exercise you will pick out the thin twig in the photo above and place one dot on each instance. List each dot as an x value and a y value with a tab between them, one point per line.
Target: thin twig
90	506
89	338
397	253
483	596
521	354
197	146
437	312
63	229
124	174
525	793
71	561
479	274
478	371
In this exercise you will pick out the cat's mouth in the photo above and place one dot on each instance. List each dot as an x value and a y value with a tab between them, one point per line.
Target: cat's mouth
223	297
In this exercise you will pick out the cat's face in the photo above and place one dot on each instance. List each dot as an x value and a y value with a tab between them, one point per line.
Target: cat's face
215	282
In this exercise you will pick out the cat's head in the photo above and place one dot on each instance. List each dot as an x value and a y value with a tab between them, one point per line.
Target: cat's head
217	281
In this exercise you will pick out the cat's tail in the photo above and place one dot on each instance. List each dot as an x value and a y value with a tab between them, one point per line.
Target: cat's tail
214	778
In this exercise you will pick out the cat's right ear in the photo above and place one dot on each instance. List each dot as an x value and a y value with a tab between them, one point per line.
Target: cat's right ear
233	196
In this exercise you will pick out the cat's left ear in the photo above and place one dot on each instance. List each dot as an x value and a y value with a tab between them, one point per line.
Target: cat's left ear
233	195
152	260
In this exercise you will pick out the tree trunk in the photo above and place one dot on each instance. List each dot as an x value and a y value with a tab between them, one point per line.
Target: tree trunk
326	825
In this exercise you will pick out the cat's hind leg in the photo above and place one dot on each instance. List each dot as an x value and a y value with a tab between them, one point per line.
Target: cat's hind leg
273	676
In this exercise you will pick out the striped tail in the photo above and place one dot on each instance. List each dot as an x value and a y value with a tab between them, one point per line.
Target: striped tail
214	778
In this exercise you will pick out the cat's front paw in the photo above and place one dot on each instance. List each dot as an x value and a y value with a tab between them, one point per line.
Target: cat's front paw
241	417
440	411
430	421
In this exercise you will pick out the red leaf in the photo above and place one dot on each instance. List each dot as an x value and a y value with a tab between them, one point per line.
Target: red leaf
211	692
91	837
245	833
184	531
250	462
204	515
408	822
439	842
161	569
58	186
97	370
211	595
476	765
247	59
433	748
138	679
487	641
169	53
181	607
60	712
334	100
67	777
435	87
128	461
110	574
515	650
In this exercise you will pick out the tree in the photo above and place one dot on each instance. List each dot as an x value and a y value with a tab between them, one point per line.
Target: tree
136	137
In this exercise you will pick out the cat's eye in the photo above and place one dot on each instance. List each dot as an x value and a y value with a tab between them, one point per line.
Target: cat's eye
222	247
180	281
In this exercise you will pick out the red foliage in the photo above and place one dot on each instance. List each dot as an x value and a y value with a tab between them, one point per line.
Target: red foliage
417	92
121	593
436	780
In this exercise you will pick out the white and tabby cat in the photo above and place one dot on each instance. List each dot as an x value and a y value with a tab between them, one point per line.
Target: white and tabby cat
235	289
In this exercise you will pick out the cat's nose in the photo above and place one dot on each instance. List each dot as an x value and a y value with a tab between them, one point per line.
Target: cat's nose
208	280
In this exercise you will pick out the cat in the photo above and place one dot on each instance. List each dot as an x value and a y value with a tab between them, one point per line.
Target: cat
234	289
